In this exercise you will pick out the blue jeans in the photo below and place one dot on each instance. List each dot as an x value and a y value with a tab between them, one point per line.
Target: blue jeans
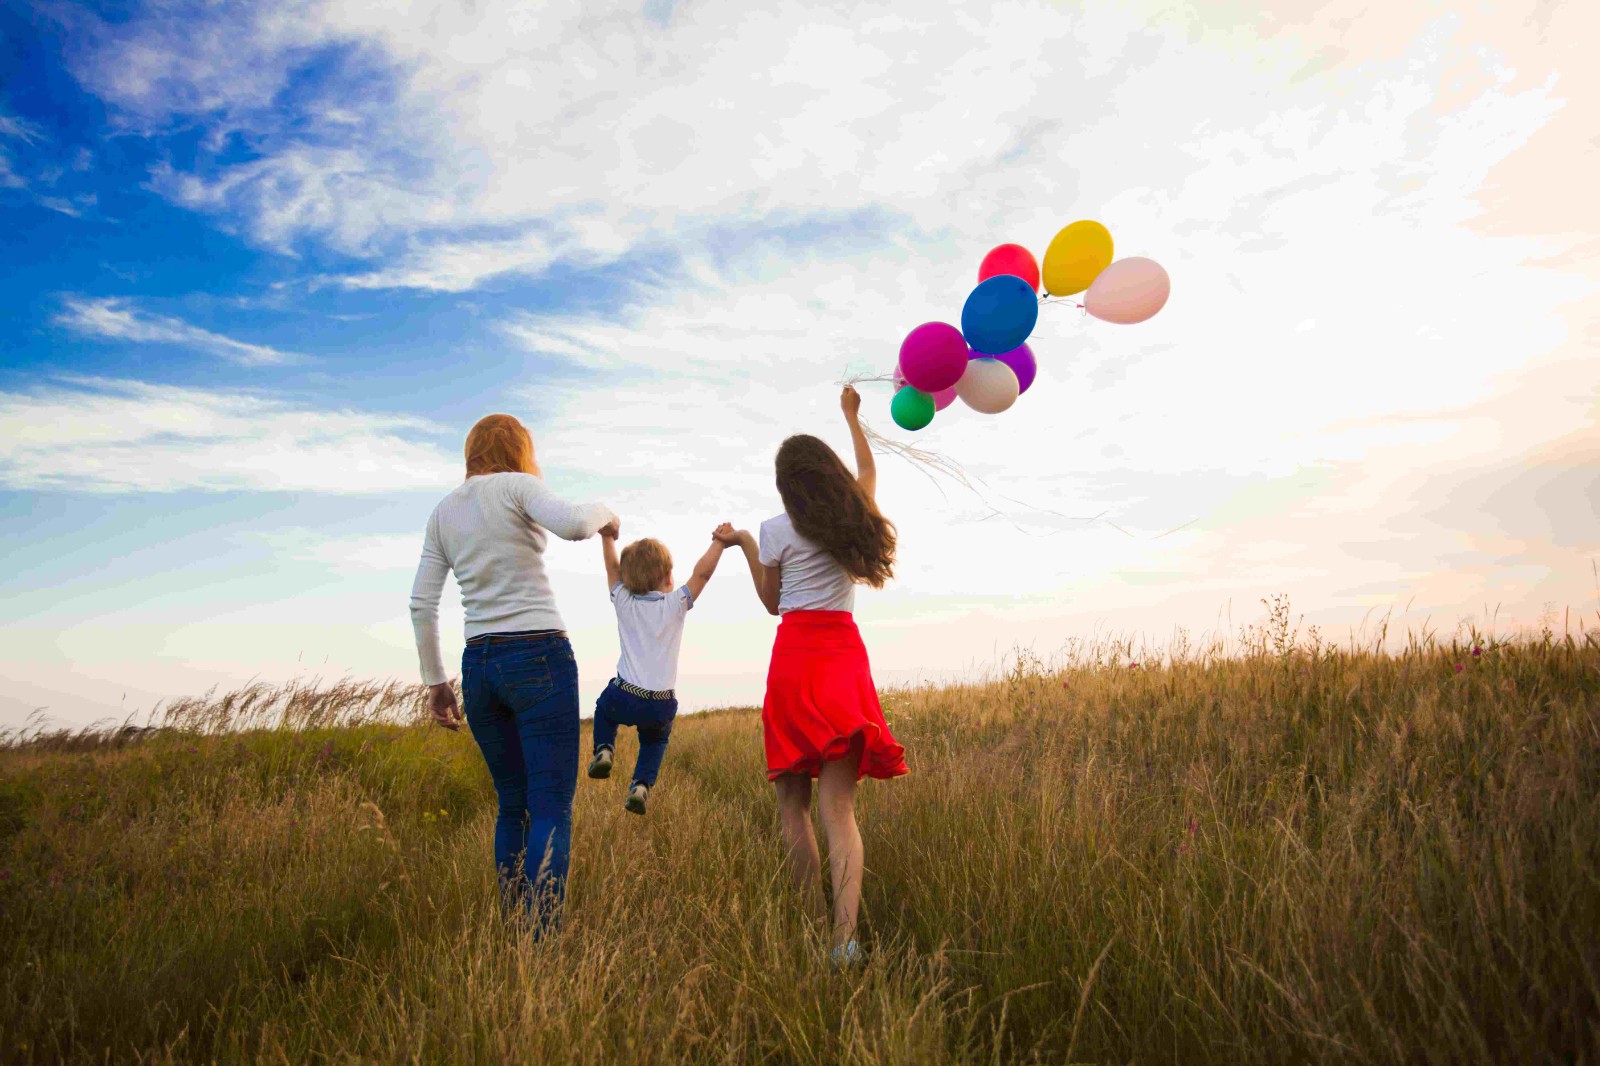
653	719
521	696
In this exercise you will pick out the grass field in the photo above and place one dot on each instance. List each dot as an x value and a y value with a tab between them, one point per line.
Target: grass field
1288	853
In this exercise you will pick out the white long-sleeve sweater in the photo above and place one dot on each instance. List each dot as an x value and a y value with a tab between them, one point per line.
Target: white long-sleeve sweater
491	532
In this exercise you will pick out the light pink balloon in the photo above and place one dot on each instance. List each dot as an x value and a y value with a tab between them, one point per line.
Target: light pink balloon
1128	291
941	399
989	386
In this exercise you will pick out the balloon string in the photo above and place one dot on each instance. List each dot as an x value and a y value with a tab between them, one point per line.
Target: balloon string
935	465
1058	301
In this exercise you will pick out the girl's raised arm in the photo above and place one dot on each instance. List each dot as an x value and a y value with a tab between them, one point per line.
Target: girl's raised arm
866	468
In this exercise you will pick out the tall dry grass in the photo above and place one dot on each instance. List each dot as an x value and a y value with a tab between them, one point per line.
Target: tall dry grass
1298	853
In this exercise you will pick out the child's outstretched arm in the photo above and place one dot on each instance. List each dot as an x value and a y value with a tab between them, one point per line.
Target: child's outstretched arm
608	547
866	467
705	568
765	578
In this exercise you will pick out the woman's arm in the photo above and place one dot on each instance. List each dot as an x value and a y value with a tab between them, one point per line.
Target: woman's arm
569	521
765	578
425	592
866	467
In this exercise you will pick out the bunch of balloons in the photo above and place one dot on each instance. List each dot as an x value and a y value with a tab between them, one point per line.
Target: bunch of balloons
987	362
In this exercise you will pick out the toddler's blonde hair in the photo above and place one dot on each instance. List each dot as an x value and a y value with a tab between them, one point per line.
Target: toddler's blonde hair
645	565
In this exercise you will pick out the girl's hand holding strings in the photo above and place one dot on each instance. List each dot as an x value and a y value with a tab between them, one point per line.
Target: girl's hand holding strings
850	402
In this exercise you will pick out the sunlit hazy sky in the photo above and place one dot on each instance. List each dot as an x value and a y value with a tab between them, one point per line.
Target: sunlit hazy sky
264	263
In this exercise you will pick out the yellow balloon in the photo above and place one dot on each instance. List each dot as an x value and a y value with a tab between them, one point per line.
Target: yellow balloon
1075	258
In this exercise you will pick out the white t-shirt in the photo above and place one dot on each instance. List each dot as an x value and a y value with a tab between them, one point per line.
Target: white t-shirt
809	579
650	630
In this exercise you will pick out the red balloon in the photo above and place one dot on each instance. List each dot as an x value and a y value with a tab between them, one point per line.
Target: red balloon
1010	259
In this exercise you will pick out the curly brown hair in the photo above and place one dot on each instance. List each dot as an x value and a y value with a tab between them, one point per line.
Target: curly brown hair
829	508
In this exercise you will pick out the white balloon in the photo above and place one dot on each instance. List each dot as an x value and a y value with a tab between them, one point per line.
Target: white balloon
988	386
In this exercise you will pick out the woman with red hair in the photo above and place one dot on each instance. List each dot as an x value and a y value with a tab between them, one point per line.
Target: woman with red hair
519	680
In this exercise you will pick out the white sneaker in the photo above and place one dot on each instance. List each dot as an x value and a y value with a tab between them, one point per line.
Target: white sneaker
600	765
846	956
636	798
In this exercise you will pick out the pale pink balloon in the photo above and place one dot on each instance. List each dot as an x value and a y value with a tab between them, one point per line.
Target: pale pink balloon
941	399
989	386
1128	291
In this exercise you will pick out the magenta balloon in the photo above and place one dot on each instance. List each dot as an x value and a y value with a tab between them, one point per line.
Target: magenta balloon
1128	291
933	356
941	399
1022	363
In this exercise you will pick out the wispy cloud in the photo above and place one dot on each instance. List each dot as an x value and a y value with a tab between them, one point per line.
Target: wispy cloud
9	178
458	266
15	129
128	436
345	554
12	126
113	318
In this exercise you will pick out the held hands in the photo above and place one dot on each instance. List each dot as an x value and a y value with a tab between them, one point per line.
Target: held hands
727	536
850	402
442	706
611	530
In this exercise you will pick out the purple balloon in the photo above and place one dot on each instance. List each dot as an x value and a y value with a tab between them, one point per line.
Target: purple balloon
1022	363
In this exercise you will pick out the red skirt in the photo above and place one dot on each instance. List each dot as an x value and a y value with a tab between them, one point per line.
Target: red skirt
820	698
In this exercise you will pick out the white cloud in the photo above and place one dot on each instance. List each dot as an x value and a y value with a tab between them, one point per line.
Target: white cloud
117	319
9	178
345	554
16	129
600	130
12	126
576	130
457	266
126	436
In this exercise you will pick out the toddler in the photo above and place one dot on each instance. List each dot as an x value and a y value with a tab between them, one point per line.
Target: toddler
650	617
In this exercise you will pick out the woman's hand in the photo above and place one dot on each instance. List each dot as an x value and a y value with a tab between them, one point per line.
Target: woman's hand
442	706
726	535
850	402
611	530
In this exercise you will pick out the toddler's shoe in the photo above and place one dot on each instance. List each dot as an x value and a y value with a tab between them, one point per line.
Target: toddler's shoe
636	797
600	765
846	956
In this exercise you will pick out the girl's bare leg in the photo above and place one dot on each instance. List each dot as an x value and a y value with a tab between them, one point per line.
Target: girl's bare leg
805	865
846	860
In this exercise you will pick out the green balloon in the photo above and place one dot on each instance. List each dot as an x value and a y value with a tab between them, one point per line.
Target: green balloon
912	408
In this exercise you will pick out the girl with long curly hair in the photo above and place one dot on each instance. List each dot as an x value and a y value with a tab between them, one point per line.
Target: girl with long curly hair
821	719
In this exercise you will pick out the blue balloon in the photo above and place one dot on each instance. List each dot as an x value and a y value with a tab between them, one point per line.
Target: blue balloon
999	314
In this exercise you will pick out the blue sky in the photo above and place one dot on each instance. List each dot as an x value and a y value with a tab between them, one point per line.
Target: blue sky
265	263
